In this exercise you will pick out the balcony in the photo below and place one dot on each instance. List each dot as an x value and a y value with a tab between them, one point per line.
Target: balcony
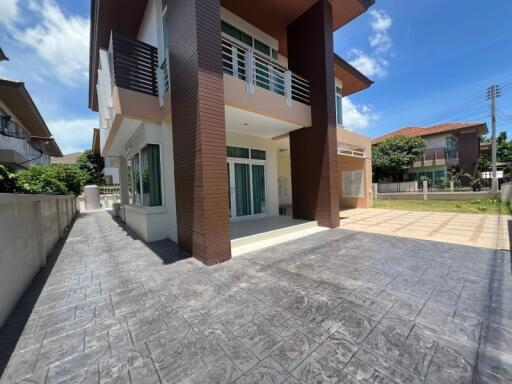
131	87
437	156
256	83
15	147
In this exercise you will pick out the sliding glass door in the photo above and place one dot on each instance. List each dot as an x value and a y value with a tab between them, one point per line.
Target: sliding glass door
247	195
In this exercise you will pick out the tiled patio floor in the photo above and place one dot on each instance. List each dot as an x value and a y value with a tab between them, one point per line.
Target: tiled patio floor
335	307
489	231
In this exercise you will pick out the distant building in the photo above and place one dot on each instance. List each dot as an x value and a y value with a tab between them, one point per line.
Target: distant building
448	145
70	158
111	167
24	137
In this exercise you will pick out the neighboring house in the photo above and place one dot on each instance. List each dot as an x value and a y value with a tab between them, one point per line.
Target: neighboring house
501	166
225	112
111	164
70	158
24	137
448	145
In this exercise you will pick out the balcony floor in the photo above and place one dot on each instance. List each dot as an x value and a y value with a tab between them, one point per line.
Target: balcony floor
337	305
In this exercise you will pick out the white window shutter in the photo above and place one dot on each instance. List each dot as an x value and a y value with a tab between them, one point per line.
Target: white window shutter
358	184
347	184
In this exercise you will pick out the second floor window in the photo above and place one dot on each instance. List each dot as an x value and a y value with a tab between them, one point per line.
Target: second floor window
451	147
165	28
339	106
243	37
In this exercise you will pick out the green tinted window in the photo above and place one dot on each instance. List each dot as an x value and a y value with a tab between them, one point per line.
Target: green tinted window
242	153
275	54
258	154
262	47
236	33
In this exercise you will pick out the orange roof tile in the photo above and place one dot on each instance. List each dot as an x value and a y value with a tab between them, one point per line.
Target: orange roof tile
426	131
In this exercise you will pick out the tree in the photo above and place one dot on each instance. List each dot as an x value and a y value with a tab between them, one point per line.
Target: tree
391	156
7	180
484	164
54	178
93	165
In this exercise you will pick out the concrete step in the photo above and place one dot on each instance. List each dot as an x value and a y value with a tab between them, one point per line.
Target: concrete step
266	239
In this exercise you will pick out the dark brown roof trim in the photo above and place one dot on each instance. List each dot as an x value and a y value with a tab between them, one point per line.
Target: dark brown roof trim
349	68
3	57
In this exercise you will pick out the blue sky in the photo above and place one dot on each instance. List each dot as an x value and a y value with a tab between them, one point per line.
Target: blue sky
433	64
431	61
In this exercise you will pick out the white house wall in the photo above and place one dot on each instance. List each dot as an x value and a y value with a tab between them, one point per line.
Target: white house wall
148	31
155	223
270	146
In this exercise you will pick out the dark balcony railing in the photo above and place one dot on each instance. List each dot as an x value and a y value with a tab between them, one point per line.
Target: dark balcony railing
436	155
134	64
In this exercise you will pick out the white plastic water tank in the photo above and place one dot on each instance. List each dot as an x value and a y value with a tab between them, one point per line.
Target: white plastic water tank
92	197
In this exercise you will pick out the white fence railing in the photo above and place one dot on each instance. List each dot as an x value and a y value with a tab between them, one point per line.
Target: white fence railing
257	70
406	186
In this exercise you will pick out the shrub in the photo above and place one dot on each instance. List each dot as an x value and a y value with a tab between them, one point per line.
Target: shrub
55	178
7	180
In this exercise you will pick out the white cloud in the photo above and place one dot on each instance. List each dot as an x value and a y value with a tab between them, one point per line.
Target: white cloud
380	39
375	63
8	12
61	40
356	117
369	65
73	135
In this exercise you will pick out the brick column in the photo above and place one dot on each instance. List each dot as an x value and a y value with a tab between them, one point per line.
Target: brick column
313	150
199	138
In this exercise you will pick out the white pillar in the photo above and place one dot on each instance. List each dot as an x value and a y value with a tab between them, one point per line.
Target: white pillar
249	70
123	181
452	186
288	88
425	189
375	191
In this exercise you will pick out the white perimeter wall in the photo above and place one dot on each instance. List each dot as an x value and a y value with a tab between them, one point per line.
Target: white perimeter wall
31	225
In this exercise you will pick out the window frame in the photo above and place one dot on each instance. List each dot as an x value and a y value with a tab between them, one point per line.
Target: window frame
273	53
141	184
351	194
338	93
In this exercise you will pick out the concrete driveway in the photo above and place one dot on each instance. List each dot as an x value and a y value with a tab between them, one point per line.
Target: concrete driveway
335	307
480	230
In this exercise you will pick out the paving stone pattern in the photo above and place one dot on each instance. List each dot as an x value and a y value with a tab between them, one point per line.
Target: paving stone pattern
335	307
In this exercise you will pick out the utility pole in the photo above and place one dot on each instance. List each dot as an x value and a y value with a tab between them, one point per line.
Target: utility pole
492	93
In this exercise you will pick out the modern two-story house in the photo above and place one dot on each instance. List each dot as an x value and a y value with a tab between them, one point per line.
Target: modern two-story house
220	112
448	145
24	137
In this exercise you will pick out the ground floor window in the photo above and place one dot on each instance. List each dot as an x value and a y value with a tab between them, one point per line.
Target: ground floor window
353	184
144	177
247	181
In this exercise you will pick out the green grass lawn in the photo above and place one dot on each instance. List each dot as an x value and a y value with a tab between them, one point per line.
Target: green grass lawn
463	206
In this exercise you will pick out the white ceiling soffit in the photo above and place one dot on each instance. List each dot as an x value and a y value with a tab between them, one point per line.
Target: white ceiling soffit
255	124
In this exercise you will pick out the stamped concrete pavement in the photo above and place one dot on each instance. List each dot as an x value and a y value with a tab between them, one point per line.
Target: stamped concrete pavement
335	307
